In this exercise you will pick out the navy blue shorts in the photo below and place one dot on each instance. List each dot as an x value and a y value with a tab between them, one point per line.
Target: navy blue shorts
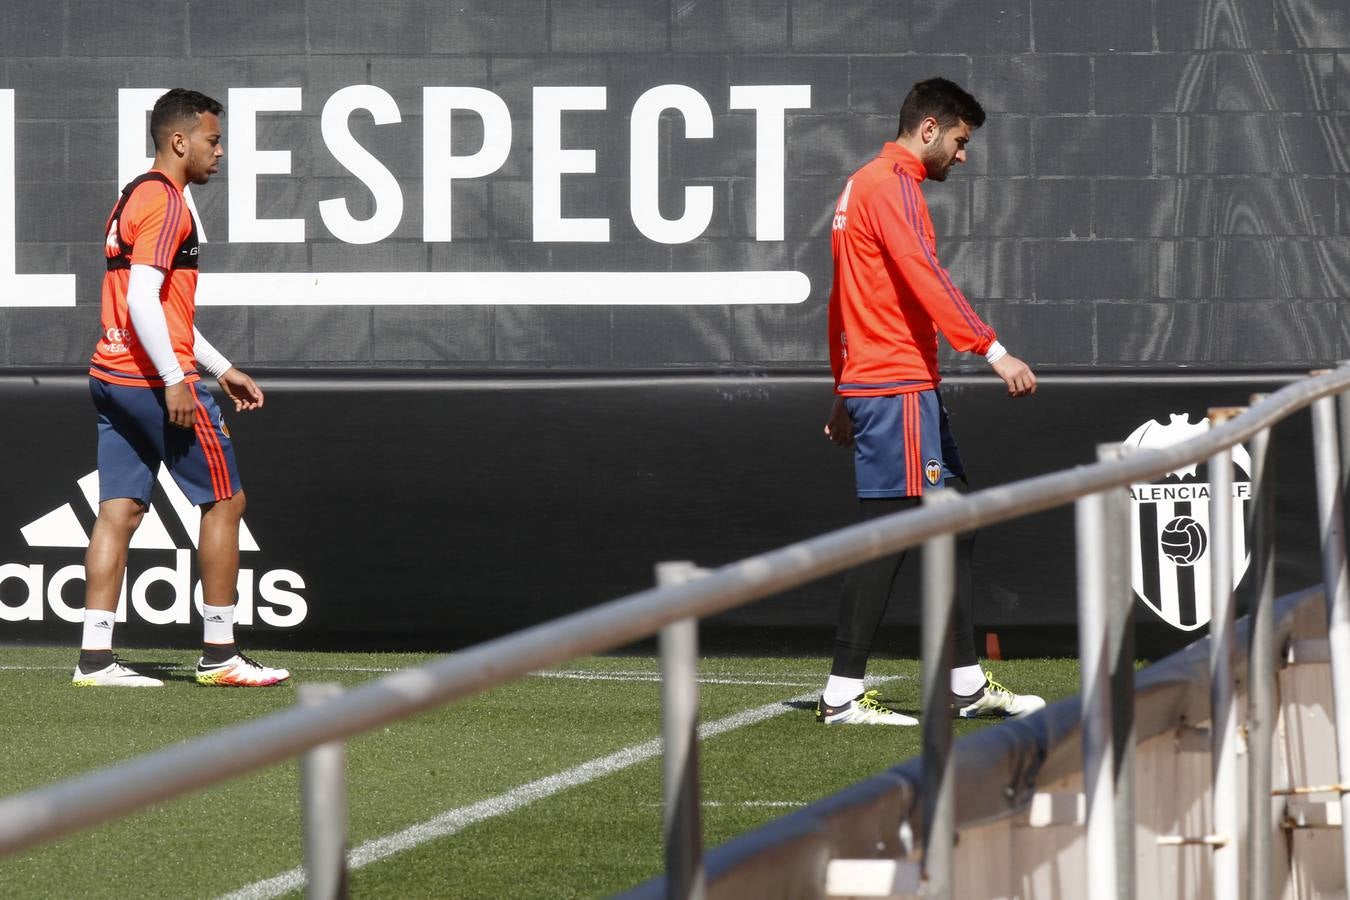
902	444
134	437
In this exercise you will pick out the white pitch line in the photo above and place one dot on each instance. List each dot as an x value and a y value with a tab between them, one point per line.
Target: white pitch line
812	676
455	820
157	667
771	804
656	676
753	680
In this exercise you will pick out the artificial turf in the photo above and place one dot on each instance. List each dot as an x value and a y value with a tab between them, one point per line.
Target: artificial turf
592	839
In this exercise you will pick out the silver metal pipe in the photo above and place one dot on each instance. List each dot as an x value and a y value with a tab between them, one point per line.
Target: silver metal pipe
1343	420
1222	686
1120	659
1263	817
939	790
87	800
1337	588
1095	676
681	823
323	788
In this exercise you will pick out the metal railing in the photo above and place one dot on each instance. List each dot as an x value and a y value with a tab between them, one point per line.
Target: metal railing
317	726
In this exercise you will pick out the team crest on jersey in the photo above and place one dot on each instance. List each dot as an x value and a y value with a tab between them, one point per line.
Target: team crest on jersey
932	470
1169	528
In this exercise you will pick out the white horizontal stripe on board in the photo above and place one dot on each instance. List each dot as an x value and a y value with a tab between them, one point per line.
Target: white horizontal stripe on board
500	288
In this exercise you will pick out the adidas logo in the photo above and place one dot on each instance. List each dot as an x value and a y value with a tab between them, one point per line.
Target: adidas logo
61	527
271	595
106	626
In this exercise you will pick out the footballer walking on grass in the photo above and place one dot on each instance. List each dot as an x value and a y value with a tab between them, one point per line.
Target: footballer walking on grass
152	407
888	301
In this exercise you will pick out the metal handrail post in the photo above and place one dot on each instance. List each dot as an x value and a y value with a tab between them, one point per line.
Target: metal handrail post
1343	419
1120	658
1222	685
1337	588
1093	627
1261	818
323	788
681	822
939	790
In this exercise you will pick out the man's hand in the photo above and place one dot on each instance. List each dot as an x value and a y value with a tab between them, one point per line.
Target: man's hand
839	429
1017	375
241	389
181	405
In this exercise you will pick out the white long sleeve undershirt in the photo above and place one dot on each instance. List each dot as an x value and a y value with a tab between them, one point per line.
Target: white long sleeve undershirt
208	357
152	330
147	320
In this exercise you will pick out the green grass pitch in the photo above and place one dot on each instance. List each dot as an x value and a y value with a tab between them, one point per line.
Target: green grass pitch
579	840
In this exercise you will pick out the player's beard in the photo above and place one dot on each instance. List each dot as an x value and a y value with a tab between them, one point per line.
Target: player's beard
936	163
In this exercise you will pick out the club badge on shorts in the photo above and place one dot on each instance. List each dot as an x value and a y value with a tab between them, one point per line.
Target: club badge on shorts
932	470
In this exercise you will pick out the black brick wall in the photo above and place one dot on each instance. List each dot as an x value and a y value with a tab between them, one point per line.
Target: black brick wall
1160	184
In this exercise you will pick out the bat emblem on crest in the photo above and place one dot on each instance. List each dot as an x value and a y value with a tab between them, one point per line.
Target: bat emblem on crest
1169	528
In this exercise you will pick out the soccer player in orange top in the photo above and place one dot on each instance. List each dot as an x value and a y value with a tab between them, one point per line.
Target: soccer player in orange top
152	407
889	300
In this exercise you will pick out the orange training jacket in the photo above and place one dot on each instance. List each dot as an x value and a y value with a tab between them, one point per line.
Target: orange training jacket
890	297
151	225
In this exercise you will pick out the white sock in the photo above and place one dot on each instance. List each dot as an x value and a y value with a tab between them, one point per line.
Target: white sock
98	629
839	691
967	680
218	627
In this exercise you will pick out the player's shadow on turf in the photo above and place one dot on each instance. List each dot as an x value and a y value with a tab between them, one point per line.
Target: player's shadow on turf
166	671
810	705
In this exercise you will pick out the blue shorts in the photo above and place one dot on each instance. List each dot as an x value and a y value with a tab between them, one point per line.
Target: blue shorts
902	444
134	437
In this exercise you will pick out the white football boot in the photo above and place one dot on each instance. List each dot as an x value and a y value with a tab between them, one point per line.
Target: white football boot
994	701
239	671
864	709
114	675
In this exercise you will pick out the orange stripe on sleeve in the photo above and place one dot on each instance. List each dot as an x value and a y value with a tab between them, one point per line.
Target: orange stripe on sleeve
168	233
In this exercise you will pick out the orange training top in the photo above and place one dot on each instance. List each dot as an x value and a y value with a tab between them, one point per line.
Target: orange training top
890	297
150	225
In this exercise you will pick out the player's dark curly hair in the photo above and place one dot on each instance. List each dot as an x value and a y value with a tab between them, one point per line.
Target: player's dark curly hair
178	110
944	100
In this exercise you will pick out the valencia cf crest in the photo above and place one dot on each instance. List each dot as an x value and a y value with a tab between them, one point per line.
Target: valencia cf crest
932	470
1169	528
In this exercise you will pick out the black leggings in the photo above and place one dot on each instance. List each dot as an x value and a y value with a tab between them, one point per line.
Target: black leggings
867	591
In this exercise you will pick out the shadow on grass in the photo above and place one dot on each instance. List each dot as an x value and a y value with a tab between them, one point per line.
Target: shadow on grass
810	706
165	671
